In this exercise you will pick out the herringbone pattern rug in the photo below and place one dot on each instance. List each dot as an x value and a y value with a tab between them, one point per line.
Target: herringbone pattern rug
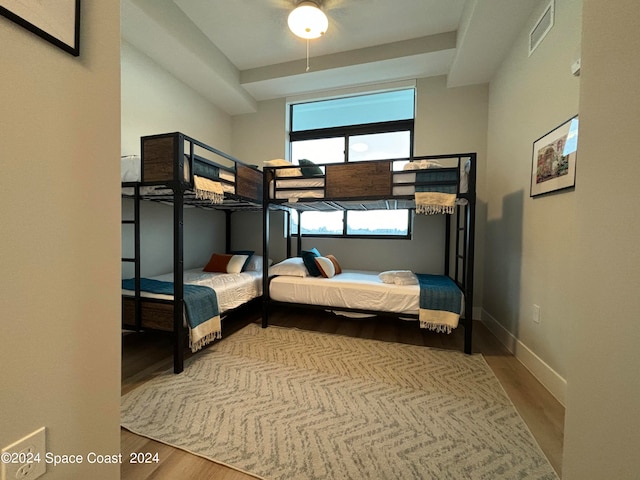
289	404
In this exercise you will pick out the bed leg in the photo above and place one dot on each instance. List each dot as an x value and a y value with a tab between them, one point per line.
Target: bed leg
468	348
265	314
178	351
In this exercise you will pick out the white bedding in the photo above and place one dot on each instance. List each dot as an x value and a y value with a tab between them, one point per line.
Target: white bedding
351	289
232	289
301	185
130	171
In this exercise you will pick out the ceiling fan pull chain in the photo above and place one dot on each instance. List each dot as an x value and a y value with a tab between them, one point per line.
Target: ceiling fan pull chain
307	55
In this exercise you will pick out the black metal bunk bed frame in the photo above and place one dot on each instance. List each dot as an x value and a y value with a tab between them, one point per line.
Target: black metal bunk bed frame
166	164
458	261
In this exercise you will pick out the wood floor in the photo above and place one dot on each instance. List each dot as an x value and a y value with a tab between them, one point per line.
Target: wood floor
144	355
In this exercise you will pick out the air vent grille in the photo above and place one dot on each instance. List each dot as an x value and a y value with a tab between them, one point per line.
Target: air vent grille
542	27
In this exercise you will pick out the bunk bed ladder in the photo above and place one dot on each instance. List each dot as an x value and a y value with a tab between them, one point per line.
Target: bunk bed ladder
135	222
469	242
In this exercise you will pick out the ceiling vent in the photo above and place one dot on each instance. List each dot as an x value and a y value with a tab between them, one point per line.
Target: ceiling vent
542	27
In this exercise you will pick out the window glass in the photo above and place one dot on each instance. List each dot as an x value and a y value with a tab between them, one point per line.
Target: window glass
378	222
321	223
380	146
321	150
357	110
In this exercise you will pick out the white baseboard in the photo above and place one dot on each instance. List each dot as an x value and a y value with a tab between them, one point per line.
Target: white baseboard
551	380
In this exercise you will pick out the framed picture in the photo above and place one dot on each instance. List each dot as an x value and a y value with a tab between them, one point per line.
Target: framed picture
56	21
554	159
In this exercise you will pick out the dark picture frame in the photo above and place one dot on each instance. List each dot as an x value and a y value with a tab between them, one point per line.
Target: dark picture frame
553	166
57	22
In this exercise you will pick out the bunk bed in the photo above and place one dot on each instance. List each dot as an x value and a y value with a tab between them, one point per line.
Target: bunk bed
435	184
180	171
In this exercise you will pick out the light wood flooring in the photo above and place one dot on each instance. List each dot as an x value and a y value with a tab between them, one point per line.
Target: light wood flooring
144	355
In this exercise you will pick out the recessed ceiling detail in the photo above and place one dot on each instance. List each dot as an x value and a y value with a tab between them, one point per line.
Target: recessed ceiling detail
235	53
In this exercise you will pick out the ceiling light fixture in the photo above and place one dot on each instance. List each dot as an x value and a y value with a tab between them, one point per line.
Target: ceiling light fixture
308	21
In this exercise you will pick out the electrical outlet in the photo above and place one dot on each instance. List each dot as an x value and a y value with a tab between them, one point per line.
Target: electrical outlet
536	313
25	459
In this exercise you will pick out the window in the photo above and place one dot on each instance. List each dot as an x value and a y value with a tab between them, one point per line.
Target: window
374	126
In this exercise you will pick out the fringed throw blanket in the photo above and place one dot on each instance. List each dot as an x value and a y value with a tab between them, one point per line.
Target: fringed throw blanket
436	191
208	189
431	203
201	305
440	302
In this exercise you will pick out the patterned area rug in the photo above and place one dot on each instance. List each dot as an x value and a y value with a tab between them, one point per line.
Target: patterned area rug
283	403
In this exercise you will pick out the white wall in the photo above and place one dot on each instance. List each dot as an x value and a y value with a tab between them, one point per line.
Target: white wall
60	211
153	102
260	136
602	428
204	234
530	241
447	121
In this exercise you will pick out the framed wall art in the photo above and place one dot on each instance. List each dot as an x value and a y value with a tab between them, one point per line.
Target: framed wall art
56	21
554	159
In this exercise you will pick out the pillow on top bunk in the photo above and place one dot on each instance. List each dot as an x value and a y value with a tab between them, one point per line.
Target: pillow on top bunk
294	267
308	258
308	168
422	164
225	263
283	172
328	266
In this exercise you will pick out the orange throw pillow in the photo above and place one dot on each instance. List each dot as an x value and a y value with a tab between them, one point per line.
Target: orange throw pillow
218	263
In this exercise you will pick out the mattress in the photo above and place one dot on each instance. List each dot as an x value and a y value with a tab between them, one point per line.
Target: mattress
312	187
356	289
232	289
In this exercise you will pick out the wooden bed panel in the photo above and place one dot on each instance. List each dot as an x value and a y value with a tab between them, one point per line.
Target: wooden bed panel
356	180
249	183
156	315
158	154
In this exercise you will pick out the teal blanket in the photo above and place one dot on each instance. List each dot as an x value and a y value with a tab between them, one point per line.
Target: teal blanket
433	175
440	302
201	303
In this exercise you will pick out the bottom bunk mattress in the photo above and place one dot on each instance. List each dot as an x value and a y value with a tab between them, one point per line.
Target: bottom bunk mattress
230	290
364	290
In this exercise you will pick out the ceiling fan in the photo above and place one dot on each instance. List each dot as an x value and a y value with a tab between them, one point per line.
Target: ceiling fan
308	21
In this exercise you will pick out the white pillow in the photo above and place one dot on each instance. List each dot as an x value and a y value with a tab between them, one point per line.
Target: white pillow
422	164
236	263
326	267
399	277
464	176
283	172
293	267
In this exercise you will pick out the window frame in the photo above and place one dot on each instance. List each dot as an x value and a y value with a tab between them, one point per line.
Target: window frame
344	234
346	132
